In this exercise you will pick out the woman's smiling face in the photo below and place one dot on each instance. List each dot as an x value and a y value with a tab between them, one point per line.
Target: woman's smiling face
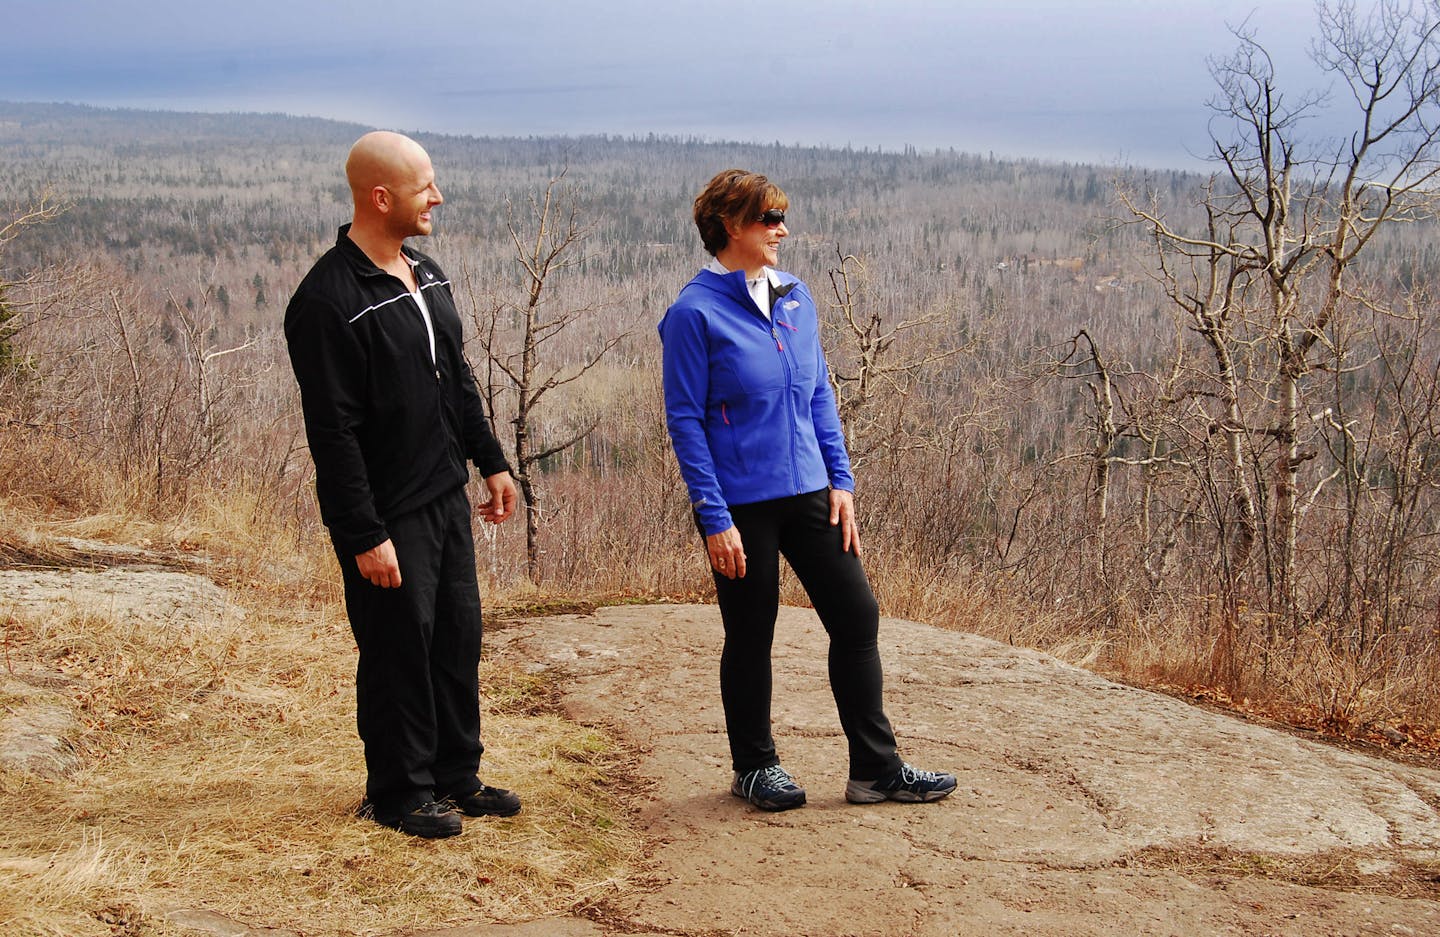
756	243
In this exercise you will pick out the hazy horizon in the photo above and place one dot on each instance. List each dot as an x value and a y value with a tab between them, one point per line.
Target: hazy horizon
1097	81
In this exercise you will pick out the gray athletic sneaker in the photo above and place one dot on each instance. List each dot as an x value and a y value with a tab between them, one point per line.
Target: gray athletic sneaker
769	788
910	785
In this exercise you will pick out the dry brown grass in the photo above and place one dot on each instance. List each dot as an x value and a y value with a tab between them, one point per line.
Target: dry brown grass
1387	700
220	768
220	765
1396	875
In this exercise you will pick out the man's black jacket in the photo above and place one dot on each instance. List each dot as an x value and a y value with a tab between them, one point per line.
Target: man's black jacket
389	429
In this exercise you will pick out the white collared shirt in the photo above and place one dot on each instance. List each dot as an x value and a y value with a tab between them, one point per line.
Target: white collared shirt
759	287
419	298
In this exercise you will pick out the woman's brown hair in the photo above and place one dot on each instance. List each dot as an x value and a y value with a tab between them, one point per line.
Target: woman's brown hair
735	196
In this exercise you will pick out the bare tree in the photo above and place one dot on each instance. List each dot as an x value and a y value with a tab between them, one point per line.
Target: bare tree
867	368
1269	284
12	309
212	391
1091	366
520	339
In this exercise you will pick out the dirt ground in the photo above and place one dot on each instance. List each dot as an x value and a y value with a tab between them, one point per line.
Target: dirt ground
1084	807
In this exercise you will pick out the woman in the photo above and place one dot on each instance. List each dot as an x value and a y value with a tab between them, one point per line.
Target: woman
753	422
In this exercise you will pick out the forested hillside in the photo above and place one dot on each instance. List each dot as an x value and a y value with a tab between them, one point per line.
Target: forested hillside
1051	447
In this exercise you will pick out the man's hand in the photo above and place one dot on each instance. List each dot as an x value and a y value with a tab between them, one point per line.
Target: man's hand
502	498
727	553
842	513
380	565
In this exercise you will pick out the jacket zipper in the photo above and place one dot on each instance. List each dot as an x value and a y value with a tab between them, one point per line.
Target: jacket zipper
789	408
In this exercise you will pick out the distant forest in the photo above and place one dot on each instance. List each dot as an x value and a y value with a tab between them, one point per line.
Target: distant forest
1054	444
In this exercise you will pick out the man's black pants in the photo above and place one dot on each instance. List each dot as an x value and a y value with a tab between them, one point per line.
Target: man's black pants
417	682
799	527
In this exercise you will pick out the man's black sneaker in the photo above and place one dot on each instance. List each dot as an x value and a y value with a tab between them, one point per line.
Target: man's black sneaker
769	788
430	820
486	802
907	784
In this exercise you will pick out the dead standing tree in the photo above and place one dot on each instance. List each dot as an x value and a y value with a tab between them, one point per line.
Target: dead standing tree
1091	366
1268	285
1129	409
214	392
872	385
518	337
13	311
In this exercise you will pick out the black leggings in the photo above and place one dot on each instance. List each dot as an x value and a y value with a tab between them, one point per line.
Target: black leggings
799	527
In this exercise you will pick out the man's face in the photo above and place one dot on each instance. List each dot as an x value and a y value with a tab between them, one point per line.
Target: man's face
412	199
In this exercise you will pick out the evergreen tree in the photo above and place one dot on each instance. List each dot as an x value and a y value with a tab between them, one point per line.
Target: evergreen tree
9	357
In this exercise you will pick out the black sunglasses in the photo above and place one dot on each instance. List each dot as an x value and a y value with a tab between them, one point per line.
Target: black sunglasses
773	218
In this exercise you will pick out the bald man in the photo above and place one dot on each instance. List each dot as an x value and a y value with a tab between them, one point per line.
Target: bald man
392	415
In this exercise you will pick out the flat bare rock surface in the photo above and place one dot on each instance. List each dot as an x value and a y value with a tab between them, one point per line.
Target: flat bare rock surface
157	596
1084	806
34	717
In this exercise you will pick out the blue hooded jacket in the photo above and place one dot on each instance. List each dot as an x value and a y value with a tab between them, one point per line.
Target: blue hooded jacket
748	401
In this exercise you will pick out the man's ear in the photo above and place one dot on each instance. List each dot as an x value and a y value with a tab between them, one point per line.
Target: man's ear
380	198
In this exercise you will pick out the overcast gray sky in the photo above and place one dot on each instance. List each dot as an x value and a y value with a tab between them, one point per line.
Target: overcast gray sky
1105	81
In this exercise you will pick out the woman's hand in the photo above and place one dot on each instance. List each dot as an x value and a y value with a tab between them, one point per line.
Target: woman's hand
727	554
842	513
